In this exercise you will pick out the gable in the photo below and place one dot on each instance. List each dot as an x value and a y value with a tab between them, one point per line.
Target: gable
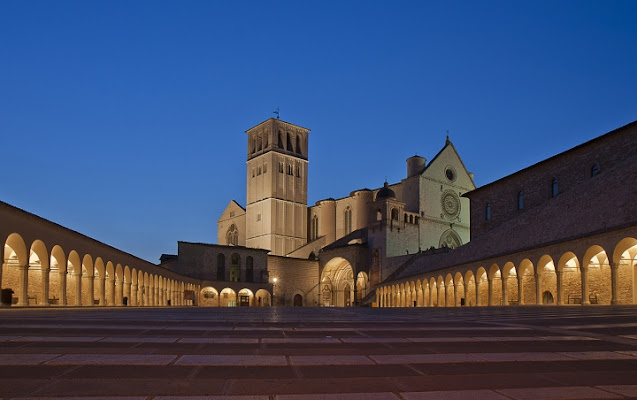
232	210
448	159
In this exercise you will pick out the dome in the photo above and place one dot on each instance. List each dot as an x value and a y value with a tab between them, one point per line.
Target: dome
385	193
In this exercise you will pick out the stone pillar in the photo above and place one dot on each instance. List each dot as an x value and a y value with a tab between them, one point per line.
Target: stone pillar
614	278
538	289
456	299
490	288
584	273
560	290
133	295
477	292
62	287
23	271
44	301
110	300
119	293
102	288
505	295
156	302
128	294
466	294
520	289
146	295
78	289
90	284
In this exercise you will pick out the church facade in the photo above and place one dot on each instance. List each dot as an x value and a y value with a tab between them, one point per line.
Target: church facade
344	246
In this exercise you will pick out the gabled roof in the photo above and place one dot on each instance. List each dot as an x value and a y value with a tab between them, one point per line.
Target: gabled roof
453	148
233	205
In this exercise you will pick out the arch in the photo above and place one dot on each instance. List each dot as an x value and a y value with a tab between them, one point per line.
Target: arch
228	298
459	289
546	275
597	285
495	286
14	268
298	300
337	281
526	282
119	285
362	284
569	280
245	298
625	271
450	239
263	298
126	299
110	284
232	235
37	292
510	294
348	220
482	287
57	276
99	275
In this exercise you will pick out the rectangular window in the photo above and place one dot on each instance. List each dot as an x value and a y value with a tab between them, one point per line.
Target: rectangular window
259	217
281	167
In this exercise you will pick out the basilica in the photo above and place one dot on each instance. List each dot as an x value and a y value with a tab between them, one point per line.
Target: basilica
562	231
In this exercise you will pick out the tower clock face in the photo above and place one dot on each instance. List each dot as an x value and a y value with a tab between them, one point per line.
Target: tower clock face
450	204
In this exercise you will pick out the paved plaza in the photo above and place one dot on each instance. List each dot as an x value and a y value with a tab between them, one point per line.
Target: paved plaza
320	353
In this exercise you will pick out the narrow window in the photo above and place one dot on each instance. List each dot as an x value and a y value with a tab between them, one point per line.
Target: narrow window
258	171
298	145
249	269
289	144
594	170
348	220
298	171
487	212
281	167
221	267
554	188
253	174
280	140
265	168
314	228
520	200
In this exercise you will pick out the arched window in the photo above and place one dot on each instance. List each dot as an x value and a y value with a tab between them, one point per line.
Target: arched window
554	188
520	200
280	140
221	267
235	268
348	220
379	215
232	236
259	143
281	167
289	169
394	214
298	145
314	228
487	212
289	144
249	269
594	169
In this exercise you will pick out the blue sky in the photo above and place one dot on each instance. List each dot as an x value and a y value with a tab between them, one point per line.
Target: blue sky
125	120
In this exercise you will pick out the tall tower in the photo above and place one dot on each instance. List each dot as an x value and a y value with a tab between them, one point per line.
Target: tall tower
276	203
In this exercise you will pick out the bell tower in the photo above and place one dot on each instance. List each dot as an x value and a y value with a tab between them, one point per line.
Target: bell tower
276	194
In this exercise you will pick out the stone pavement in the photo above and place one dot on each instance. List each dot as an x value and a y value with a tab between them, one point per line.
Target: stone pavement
319	353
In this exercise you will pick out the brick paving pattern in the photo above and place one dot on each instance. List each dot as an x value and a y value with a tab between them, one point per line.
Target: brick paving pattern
320	353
